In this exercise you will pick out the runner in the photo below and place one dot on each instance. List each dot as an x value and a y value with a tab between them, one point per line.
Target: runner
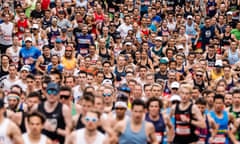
135	130
10	133
188	117
89	134
35	122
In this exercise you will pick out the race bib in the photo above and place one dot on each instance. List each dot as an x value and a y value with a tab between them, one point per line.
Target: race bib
201	141
53	38
147	2
159	136
83	51
183	130
7	37
219	139
112	10
53	122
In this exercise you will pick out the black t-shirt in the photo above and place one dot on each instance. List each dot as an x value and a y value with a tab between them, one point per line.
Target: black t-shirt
37	14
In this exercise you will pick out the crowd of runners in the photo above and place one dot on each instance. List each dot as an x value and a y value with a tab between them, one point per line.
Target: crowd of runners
119	72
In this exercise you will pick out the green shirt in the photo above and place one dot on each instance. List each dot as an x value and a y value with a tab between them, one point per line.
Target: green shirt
236	32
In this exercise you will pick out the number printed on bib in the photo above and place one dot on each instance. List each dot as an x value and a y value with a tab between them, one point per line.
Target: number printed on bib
201	141
219	139
183	130
159	136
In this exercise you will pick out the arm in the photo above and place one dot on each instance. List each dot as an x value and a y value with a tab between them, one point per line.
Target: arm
170	132
39	61
213	126
199	122
15	133
70	139
68	120
151	131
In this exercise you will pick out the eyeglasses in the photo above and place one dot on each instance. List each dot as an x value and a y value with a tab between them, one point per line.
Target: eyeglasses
91	119
107	94
52	92
198	75
64	97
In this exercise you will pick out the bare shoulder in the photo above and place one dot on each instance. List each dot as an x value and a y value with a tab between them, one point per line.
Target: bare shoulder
149	126
49	141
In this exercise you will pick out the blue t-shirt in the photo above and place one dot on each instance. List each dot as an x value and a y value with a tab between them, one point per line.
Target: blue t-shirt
30	56
59	68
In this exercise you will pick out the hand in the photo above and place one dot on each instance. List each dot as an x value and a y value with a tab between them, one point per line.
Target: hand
185	119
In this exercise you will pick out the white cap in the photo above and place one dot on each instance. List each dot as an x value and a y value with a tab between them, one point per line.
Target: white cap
229	13
189	17
180	47
158	38
35	26
175	98
128	43
120	104
175	85
26	68
107	81
28	39
218	63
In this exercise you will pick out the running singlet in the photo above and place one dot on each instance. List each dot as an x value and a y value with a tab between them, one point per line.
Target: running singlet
4	138
22	25
221	136
204	133
80	139
184	132
130	137
233	57
43	139
56	119
159	127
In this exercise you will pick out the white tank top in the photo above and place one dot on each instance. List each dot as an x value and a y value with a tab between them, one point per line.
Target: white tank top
15	55
6	37
43	139
81	139
4	138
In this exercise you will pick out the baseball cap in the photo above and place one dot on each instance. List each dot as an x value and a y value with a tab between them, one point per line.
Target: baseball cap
218	63
128	43
124	88
180	47
26	68
158	38
175	98
163	60
107	81
189	17
120	104
175	85
1	103
28	39
64	29
53	86
58	40
229	13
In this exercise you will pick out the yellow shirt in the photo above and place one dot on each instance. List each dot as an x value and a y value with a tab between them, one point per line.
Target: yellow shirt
216	76
69	64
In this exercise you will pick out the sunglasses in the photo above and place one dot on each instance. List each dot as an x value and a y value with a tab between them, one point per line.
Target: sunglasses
64	97
107	94
91	119
174	88
198	75
52	92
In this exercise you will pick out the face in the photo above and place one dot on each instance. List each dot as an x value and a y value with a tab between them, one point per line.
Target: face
228	100
32	101
91	120
52	96
154	108
137	113
82	78
35	125
86	106
147	91
98	103
12	71
65	97
201	108
156	91
107	94
218	105
185	95
220	90
236	98
142	72
120	112
209	98
30	83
